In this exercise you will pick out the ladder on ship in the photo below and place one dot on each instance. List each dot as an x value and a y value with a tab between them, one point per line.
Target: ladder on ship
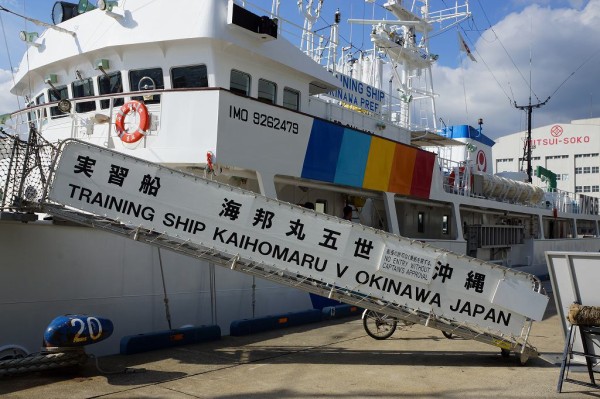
369	268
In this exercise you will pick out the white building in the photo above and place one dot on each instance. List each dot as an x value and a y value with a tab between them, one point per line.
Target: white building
569	150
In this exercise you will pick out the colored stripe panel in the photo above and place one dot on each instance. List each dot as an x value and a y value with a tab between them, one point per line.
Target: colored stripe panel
352	159
346	156
401	177
322	152
423	174
379	164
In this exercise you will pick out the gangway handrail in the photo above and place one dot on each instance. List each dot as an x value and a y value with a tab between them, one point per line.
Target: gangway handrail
149	237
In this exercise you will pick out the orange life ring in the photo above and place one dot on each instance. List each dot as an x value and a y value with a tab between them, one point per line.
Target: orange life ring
140	108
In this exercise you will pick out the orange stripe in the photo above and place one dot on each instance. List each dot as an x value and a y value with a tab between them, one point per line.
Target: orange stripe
402	169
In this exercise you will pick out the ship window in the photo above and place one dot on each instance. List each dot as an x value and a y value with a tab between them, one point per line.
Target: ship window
445	229
111	83
147	79
189	76
421	222
291	99
60	93
267	91
240	83
39	100
84	88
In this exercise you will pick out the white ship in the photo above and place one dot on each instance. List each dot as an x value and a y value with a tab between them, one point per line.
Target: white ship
216	88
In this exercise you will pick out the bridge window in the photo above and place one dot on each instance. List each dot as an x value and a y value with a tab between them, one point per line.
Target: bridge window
61	93
30	115
84	88
240	83
147	79
189	76
267	91
291	99
110	83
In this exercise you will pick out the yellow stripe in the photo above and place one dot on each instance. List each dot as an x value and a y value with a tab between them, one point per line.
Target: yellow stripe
379	164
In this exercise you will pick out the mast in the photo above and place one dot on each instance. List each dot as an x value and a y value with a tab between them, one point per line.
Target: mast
405	42
310	17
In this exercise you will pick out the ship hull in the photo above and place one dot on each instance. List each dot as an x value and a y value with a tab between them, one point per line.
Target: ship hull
50	270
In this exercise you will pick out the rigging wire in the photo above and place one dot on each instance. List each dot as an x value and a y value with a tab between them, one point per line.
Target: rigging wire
588	59
487	66
574	72
29	77
505	50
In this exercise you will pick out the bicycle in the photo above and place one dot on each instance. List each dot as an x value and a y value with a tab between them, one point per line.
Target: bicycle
380	326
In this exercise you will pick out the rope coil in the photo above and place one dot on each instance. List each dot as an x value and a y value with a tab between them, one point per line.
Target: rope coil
584	315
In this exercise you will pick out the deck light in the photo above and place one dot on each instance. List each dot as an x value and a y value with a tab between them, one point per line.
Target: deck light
62	11
29	38
102	65
51	79
63	105
107	5
85	6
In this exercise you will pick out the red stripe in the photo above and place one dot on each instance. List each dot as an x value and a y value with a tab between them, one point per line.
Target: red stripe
422	174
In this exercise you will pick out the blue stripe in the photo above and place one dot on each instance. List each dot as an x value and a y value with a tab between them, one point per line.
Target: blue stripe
352	160
466	132
322	151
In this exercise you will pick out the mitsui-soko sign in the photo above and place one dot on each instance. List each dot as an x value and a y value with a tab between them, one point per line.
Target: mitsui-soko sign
287	237
556	136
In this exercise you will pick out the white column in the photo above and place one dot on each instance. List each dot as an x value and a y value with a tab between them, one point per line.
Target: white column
390	212
266	184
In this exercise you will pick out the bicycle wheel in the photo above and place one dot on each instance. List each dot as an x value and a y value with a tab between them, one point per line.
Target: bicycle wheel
378	325
448	335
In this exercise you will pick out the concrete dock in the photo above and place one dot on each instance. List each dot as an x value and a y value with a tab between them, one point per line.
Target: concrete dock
333	359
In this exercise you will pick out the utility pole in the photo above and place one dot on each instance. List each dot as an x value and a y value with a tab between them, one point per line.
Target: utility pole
529	109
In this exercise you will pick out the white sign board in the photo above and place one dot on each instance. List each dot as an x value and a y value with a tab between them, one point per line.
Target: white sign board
287	237
574	277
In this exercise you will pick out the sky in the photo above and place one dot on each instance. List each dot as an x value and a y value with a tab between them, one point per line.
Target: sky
551	44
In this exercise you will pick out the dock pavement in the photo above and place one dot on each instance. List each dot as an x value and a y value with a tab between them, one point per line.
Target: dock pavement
333	359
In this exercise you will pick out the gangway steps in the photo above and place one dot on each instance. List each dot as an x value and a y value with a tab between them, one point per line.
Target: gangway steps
307	284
